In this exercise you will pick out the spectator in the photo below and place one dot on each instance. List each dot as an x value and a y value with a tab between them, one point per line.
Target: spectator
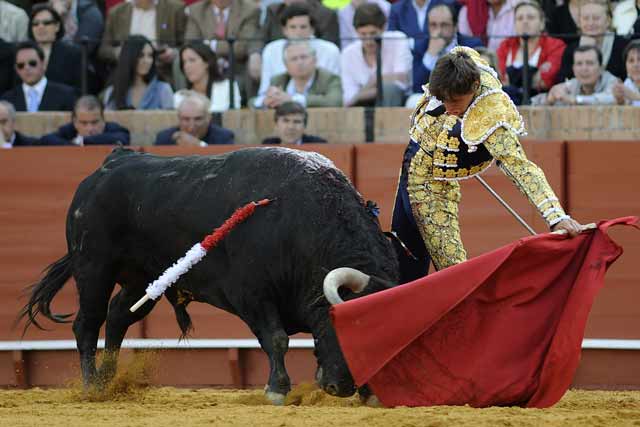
325	21
37	93
303	82
545	54
348	32
81	19
442	24
9	137
291	122
498	22
135	85
88	127
199	64
595	29
47	30
194	125
297	23
564	19
14	23
590	86
214	20
629	92
360	65
410	17
7	73
161	21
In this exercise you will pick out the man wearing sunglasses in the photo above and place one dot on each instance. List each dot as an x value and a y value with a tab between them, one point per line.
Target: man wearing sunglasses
36	93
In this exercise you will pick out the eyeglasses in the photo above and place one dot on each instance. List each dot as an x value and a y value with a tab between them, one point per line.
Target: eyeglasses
36	22
32	63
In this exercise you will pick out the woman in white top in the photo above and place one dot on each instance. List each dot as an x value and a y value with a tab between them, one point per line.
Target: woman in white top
629	92
199	64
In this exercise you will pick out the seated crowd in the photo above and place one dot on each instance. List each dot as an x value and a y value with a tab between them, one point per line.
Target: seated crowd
209	56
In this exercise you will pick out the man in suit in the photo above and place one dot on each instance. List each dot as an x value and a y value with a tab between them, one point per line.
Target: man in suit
410	17
214	20
326	21
194	125
162	21
291	122
303	82
88	127
9	137
36	93
442	23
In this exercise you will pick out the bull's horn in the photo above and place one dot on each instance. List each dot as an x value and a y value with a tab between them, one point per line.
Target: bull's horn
343	276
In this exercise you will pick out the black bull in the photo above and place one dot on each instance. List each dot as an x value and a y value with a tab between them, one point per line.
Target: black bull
139	213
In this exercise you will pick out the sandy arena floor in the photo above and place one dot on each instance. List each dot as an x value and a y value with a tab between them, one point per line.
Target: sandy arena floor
129	401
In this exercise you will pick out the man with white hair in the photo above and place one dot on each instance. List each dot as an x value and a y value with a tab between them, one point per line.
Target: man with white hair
297	24
194	125
303	81
9	137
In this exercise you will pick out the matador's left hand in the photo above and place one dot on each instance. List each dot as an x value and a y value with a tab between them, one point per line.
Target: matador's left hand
571	226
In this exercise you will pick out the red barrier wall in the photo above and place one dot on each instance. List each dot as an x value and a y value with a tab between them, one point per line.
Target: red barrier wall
603	181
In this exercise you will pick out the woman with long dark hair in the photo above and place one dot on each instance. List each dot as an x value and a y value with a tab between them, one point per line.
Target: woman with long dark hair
135	85
199	64
46	29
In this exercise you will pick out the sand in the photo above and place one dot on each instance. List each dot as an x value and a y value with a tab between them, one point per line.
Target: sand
130	401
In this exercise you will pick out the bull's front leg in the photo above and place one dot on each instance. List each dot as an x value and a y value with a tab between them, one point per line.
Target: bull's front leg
279	383
275	342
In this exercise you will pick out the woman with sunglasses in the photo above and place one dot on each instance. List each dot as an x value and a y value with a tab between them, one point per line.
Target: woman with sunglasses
46	29
135	84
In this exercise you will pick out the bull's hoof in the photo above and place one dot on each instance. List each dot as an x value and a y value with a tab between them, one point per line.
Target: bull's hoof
275	398
372	401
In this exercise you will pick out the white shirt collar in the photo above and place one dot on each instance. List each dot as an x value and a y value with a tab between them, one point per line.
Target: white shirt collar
39	87
291	86
9	144
423	8
225	11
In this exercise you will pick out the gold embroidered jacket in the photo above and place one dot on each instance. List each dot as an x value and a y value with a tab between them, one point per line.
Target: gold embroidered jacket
488	131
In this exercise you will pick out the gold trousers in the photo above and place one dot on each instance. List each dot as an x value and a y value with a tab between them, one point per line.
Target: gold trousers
434	205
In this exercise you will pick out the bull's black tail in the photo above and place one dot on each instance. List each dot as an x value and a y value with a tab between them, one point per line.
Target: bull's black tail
42	294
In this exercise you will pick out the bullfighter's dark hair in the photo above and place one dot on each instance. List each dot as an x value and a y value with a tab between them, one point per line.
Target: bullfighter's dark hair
89	103
39	7
125	72
369	14
296	9
290	107
29	44
455	74
209	57
587	48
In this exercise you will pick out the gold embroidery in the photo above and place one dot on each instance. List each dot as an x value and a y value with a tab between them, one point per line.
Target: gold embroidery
504	146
